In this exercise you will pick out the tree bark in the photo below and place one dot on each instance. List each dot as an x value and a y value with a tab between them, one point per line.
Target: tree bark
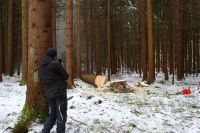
97	42
150	42
78	39
97	80
89	78
143	38
39	39
10	50
108	37
53	20
69	41
1	46
24	41
179	46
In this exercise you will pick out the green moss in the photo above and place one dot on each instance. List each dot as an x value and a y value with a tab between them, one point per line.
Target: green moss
27	117
22	82
150	82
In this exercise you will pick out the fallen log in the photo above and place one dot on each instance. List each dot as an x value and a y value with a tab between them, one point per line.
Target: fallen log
100	80
89	78
97	80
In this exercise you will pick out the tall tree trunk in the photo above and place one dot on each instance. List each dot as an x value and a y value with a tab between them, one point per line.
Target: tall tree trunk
97	42
86	45
143	38
165	40
24	41
39	39
5	35
150	42
179	46
53	20
108	37
78	40
17	35
1	48
10	52
69	41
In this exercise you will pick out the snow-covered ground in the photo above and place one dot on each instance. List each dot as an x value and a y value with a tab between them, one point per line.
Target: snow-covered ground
157	108
12	99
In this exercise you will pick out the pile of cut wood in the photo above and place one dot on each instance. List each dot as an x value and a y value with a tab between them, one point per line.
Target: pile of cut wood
101	82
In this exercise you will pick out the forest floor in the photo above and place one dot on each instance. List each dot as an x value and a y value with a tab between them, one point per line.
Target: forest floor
157	108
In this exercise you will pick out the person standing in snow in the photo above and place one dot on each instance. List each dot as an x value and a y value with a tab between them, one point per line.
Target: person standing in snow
54	77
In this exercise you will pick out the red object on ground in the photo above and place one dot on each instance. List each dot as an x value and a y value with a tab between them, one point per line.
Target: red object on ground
186	91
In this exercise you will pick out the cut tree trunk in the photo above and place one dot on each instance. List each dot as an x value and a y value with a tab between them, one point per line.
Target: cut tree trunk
89	78
100	80
97	80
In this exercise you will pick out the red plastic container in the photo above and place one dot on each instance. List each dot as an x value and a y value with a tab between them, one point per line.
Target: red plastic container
186	91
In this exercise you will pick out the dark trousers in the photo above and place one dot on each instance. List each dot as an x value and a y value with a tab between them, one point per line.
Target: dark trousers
57	113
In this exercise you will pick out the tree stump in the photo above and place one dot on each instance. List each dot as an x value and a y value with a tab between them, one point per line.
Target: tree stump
119	86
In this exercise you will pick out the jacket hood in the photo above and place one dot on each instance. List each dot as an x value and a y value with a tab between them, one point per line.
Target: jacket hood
46	60
52	52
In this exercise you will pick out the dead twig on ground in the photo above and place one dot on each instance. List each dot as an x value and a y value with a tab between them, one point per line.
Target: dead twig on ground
78	121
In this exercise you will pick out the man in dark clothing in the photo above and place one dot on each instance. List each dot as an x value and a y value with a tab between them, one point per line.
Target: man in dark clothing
54	77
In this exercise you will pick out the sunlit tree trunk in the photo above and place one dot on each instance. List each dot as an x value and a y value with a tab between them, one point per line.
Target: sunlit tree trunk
39	39
69	41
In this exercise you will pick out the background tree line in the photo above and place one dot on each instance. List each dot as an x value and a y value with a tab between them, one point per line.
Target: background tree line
145	36
102	37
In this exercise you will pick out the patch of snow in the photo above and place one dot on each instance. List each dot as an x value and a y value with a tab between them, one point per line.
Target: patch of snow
12	99
160	107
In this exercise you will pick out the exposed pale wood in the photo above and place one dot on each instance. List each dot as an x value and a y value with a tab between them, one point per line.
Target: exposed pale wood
119	85
97	80
142	84
100	80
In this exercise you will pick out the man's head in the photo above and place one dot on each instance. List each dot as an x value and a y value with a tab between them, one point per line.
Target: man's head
52	52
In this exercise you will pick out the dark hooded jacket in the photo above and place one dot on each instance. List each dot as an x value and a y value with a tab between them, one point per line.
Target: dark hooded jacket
54	76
